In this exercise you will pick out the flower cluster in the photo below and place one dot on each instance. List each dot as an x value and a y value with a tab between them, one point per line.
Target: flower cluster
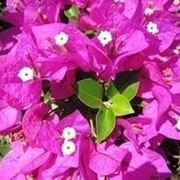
89	89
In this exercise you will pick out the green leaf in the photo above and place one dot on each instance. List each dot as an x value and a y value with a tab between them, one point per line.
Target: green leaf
111	90
120	105
131	91
72	13
90	93
128	81
105	123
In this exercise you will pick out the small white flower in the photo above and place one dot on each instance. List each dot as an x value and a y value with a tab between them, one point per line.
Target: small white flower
148	11
68	148
104	37
61	39
152	28
26	74
176	2
69	133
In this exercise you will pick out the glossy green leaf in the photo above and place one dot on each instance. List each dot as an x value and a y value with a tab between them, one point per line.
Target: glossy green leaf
105	123
120	105
131	91
90	92
127	83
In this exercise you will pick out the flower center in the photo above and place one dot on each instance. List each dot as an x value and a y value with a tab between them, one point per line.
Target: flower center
108	104
26	74
61	39
152	28
104	37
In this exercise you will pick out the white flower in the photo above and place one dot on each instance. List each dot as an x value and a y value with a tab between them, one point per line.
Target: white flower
176	2
68	148
104	37
69	133
61	39
152	28
148	11
26	74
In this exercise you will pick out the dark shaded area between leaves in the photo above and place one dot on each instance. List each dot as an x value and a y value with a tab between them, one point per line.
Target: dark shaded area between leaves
171	149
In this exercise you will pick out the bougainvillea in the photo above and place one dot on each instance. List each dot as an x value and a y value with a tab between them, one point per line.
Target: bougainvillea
89	89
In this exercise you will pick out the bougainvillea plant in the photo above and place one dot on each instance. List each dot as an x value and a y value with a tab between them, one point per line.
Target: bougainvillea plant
89	89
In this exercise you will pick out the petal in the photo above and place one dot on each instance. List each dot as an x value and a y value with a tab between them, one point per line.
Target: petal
107	161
